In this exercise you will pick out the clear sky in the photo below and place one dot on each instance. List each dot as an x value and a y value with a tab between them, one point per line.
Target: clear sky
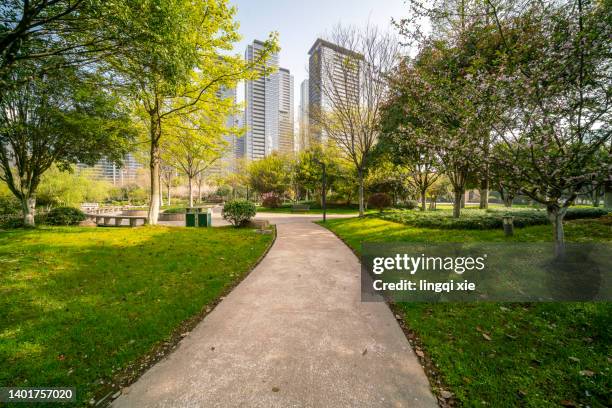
300	22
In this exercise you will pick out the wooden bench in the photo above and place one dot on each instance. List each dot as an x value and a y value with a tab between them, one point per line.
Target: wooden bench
301	208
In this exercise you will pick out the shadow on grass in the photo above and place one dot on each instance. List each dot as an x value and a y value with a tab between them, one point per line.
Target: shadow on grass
77	305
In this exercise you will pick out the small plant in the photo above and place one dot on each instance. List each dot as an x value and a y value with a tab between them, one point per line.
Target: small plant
411	204
65	216
270	200
380	201
238	212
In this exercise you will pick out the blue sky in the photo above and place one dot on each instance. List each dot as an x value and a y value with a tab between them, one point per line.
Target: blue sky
299	23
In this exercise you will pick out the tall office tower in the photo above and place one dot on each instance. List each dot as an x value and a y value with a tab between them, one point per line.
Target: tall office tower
228	161
261	112
285	112
111	172
303	138
334	74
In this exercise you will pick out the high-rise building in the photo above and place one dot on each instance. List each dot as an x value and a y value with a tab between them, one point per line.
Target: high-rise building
261	107
334	74
268	114
303	139
285	112
228	161
108	171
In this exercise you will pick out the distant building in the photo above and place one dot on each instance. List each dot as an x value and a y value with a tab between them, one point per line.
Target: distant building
285	112
303	135
261	107
111	172
268	114
227	162
330	81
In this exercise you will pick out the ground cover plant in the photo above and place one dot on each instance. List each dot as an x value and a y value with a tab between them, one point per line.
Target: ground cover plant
80	304
484	219
506	354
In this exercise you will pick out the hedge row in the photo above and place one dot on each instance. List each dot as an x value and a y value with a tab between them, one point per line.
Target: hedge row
478	219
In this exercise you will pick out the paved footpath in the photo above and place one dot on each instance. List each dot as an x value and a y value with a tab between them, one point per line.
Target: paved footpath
293	334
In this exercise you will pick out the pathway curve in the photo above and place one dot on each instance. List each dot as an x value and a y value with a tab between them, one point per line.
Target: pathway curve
294	333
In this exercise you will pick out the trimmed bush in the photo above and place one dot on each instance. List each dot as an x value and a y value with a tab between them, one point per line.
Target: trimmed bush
174	210
411	204
238	212
478	219
270	200
380	201
64	216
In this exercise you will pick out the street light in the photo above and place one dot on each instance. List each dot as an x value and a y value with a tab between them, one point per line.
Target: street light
324	189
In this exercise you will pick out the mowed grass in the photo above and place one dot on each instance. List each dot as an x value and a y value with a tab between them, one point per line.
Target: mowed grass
539	355
77	305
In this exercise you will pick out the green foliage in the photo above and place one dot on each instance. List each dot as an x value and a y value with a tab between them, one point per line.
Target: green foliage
64	216
175	210
411	204
70	188
270	174
238	212
380	201
270	200
480	219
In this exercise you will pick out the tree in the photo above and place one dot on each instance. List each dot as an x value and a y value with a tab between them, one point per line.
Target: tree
196	140
556	115
175	69
354	89
57	119
270	174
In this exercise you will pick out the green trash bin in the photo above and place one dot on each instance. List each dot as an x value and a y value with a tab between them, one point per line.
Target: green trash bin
190	217
204	218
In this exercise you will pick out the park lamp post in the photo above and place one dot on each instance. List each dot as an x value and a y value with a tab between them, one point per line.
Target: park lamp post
324	189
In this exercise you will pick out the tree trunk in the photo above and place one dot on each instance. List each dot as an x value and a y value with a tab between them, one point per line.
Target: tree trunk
457	203
595	197
169	196
507	200
608	194
28	205
200	191
462	202
556	215
153	214
484	195
361	201
190	191
161	192
423	200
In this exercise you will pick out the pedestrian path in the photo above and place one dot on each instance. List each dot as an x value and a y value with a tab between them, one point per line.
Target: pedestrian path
294	333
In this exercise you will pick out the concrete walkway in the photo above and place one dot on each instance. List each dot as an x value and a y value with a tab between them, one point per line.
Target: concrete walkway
293	334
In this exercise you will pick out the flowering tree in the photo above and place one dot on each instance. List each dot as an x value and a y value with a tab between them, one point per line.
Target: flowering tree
556	113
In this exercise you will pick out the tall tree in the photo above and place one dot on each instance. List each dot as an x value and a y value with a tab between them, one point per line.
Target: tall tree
184	62
56	119
354	89
557	109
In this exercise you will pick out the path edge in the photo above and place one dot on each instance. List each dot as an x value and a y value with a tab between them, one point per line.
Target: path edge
132	373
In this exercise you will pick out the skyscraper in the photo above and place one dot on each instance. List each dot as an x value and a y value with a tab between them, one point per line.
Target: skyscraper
227	162
108	171
285	108
303	139
334	74
261	115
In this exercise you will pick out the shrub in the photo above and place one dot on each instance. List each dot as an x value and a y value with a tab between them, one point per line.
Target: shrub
238	212
64	216
411	204
478	219
380	201
270	200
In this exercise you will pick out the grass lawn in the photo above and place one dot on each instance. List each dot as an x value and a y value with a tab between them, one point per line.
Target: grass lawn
540	354
80	305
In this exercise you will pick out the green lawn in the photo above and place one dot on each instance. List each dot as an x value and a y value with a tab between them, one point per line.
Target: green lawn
539	354
79	305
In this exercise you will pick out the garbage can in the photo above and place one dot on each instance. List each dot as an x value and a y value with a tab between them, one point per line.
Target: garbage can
190	217
204	218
